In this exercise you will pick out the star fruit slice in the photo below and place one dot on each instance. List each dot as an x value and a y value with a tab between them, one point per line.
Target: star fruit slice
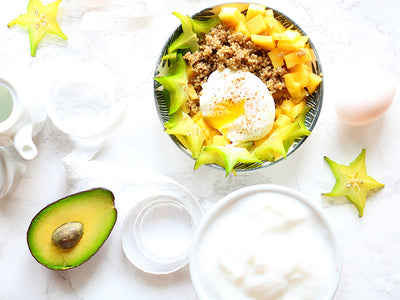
353	181
225	156
176	84
282	138
186	131
39	20
187	39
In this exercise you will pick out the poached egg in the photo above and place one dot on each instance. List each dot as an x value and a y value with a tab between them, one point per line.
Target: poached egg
238	104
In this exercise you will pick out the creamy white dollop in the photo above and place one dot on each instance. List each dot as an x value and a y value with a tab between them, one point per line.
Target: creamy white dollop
220	100
266	248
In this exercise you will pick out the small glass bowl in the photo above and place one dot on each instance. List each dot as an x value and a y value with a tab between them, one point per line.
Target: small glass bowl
157	233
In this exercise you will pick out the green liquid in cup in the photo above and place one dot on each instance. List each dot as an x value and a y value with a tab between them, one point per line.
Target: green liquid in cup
6	103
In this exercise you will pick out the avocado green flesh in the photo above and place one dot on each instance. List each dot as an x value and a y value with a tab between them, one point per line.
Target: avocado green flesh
94	209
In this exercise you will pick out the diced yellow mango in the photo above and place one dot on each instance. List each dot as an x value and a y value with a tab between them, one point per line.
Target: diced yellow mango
276	57
192	92
278	111
289	36
292	46
302	71
293	85
220	140
291	109
254	10
208	131
275	25
242	27
264	41
283	120
257	25
313	82
230	16
297	109
287	106
301	56
269	13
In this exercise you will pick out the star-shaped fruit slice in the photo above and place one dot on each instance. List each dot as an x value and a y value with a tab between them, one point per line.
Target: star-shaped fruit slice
225	156
353	181
39	20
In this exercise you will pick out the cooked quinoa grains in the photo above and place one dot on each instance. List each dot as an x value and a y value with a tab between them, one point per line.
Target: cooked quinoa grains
223	47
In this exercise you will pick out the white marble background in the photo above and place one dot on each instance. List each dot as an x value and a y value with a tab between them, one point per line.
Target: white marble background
344	32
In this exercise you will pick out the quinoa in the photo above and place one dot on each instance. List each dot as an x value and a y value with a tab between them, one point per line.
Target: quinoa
223	47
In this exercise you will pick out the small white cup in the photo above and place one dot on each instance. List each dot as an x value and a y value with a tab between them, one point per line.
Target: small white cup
16	127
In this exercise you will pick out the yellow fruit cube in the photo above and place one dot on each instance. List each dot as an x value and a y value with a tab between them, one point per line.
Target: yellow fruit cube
230	16
207	130
269	13
288	35
220	140
254	10
242	27
301	56
287	106
192	92
283	120
276	57
257	25
297	109
293	85
313	82
292	46
264	41
302	71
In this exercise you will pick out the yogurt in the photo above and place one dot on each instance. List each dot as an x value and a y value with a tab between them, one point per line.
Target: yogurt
264	245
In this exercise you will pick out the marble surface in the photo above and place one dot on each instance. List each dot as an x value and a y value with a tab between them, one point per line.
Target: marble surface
344	32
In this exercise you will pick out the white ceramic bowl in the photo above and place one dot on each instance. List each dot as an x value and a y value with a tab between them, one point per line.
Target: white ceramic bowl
216	231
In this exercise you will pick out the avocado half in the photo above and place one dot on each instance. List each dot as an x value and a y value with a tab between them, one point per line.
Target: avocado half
55	238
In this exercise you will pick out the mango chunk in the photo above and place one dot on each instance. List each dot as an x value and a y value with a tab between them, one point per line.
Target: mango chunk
313	82
302	72
230	16
254	10
257	25
276	57
206	129
282	120
220	140
242	26
293	46
288	36
264	41
294	58
293	85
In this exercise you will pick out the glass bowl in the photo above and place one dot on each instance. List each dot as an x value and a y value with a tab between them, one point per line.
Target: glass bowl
314	100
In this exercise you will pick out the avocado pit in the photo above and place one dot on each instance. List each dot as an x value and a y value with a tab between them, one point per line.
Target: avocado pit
67	235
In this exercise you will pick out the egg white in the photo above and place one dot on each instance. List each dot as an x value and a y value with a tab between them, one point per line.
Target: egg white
258	114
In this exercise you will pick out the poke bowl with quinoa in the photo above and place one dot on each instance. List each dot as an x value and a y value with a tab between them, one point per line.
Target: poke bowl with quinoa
238	86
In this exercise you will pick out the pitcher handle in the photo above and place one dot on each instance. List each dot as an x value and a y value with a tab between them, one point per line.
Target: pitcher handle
23	142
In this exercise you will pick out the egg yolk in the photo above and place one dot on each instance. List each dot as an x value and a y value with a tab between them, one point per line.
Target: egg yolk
224	113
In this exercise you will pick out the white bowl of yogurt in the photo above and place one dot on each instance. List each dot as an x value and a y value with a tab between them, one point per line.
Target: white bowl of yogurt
265	242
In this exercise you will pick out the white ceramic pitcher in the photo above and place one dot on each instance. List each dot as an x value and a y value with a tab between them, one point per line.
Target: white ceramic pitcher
16	126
